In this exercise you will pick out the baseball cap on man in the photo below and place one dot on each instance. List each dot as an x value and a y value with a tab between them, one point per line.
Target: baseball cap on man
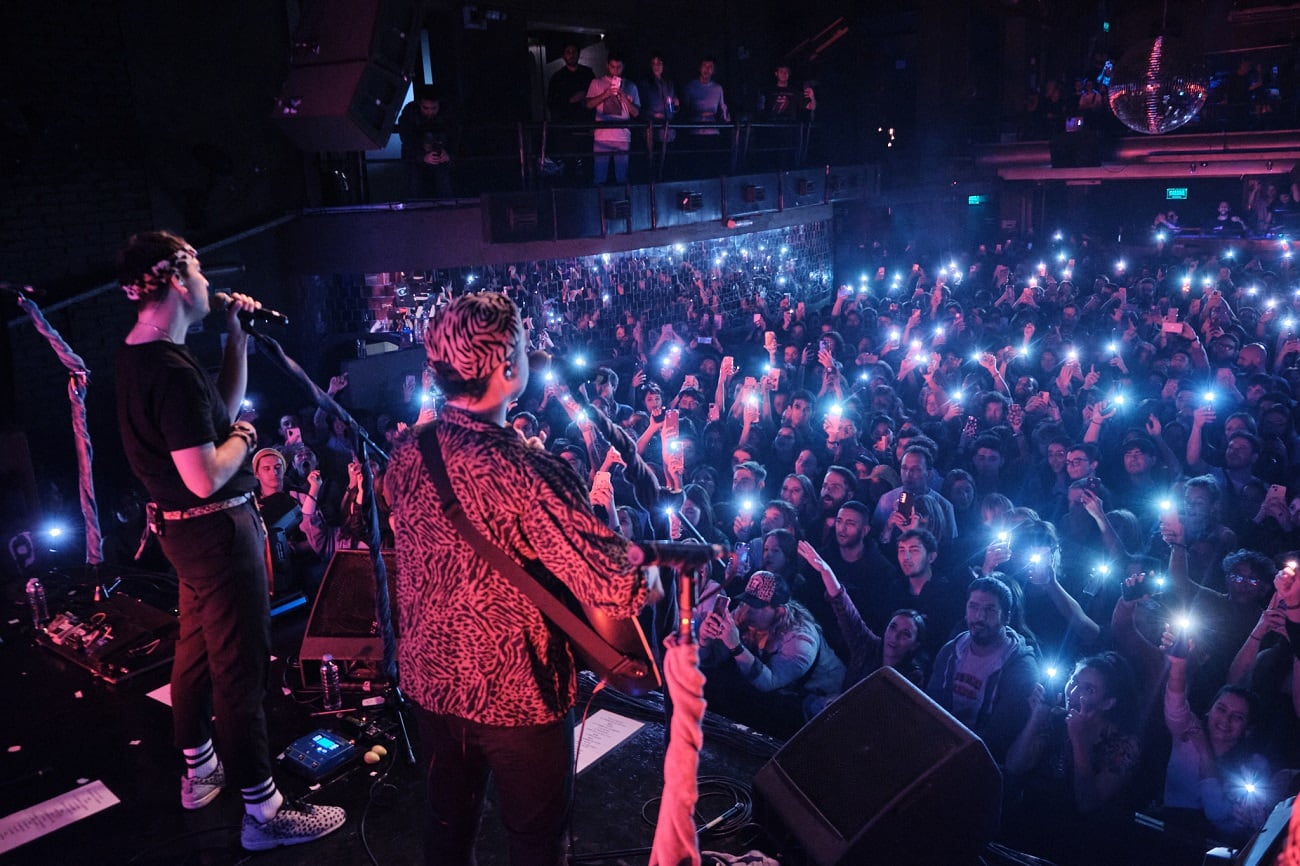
765	589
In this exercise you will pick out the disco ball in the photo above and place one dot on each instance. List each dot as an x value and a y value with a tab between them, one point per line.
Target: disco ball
1155	88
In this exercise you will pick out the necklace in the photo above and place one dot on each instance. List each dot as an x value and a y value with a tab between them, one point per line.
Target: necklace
166	334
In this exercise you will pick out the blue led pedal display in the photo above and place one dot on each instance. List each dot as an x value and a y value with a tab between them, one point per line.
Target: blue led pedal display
319	754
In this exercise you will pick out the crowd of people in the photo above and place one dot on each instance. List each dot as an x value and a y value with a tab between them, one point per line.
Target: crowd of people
1056	490
1067	512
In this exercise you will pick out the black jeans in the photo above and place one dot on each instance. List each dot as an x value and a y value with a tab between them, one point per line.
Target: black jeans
532	769
224	650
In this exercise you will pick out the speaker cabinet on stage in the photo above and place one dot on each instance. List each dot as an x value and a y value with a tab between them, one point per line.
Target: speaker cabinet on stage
343	621
884	775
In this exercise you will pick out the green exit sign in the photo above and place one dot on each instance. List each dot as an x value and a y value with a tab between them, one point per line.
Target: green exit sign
1176	193
977	199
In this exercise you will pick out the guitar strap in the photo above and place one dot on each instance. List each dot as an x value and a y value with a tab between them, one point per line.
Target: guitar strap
584	636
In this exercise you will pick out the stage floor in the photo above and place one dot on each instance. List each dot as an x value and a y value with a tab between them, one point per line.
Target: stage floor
64	729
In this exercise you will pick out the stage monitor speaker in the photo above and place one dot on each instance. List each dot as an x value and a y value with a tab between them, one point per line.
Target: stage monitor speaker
343	621
884	775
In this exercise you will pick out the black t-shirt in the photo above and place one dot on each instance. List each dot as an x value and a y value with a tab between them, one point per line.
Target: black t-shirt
166	403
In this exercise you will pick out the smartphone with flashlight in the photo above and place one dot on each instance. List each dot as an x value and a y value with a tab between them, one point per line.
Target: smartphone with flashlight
1182	629
671	424
1135	590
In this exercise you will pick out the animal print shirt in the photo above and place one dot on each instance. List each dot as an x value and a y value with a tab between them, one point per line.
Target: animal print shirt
472	645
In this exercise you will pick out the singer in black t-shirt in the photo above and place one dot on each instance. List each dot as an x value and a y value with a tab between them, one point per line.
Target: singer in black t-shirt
184	444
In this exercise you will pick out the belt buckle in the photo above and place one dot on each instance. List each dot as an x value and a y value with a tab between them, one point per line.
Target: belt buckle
153	518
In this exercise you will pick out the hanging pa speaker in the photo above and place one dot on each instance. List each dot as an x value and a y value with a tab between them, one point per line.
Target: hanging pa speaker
884	775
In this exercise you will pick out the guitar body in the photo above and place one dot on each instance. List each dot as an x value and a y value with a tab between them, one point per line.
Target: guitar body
637	673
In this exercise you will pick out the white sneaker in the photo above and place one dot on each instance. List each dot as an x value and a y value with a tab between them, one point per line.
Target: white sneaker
199	791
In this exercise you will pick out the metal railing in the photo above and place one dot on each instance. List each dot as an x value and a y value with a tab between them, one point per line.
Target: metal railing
536	155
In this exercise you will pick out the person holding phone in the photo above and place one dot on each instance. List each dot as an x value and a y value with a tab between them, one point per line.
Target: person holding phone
1215	780
617	103
1071	764
914	469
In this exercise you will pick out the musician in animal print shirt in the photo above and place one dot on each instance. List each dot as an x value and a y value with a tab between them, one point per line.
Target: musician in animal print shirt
493	682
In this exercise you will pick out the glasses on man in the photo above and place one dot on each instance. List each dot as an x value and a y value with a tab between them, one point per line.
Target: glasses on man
1248	579
1077	461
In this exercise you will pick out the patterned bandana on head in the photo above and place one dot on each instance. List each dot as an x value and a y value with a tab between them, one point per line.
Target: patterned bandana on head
158	276
474	335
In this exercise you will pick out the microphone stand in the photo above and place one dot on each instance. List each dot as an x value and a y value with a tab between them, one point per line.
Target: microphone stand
365	446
